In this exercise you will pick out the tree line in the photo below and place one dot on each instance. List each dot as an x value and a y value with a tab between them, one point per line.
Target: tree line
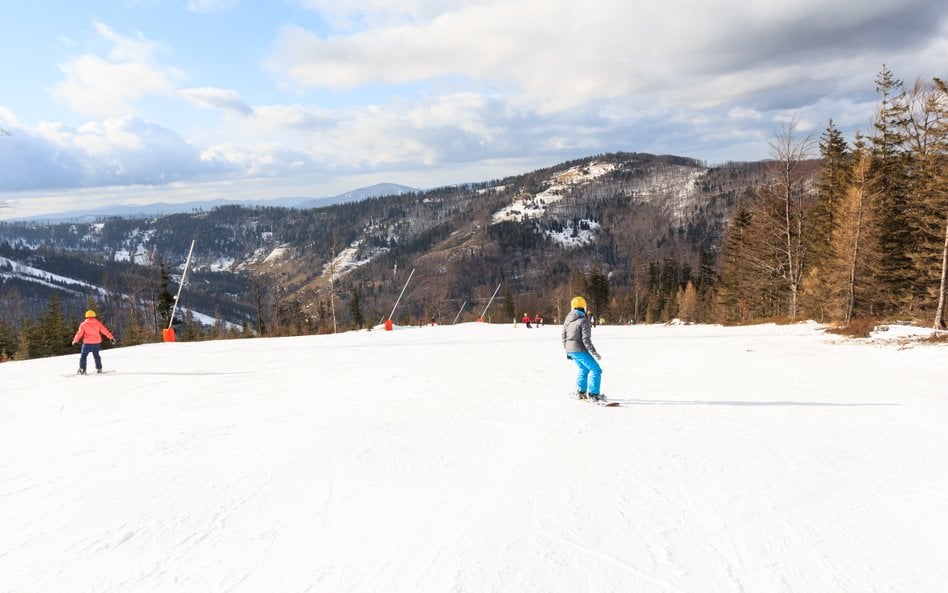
860	232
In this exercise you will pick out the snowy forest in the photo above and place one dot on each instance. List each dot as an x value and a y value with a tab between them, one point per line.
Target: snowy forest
843	232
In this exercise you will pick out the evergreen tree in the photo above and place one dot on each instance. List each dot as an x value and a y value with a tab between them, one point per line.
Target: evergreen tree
734	292
51	335
165	301
355	310
891	180
509	308
598	290
928	197
833	180
834	176
8	340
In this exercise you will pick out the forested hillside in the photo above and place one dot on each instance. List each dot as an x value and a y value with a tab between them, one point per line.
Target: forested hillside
825	229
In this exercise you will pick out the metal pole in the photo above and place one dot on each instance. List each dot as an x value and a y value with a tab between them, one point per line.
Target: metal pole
332	287
187	263
459	313
400	295
491	300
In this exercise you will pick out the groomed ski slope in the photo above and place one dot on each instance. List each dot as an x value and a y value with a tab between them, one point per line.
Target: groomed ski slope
450	459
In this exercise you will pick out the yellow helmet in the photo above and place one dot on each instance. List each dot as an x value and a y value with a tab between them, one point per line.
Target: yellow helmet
578	303
90	313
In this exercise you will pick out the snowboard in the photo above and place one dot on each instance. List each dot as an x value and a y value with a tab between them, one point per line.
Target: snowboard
601	403
92	373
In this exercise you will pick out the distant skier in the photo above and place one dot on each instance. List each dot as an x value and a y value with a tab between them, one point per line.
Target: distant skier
577	340
526	319
90	334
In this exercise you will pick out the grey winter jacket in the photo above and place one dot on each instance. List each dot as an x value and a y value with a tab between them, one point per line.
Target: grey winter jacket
577	333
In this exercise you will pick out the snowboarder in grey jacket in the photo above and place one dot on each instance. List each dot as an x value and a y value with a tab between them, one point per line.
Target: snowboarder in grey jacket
577	340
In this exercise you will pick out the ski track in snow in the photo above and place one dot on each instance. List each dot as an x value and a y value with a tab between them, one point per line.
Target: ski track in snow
451	459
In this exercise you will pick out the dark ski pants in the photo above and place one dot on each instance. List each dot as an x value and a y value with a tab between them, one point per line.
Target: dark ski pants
590	373
94	349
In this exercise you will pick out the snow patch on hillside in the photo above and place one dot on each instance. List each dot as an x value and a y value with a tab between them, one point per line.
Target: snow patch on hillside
534	206
348	259
223	264
12	269
139	257
277	254
573	236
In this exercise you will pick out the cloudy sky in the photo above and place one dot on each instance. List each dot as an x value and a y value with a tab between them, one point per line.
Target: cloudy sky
140	101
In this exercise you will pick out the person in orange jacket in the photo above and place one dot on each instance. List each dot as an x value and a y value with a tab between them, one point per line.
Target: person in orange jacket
90	334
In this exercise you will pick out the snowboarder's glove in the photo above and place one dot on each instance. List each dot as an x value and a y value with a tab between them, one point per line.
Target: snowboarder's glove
596	356
73	342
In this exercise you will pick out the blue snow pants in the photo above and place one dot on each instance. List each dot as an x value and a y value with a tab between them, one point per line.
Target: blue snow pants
590	373
86	349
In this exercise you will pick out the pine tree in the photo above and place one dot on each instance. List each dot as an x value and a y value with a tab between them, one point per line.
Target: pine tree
8	339
164	304
927	197
509	308
355	309
890	176
834	176
50	335
734	287
598	290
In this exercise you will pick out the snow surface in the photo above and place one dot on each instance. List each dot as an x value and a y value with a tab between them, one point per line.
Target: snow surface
451	459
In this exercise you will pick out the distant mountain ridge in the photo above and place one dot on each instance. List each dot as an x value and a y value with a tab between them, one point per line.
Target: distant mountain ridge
165	208
648	223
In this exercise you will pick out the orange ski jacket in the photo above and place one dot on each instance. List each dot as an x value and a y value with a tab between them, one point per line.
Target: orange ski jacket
91	331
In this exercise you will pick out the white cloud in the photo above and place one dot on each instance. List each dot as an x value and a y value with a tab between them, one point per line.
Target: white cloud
298	118
114	151
559	54
214	98
93	85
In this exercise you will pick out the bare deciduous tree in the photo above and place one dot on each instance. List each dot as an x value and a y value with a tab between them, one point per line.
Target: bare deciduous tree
780	212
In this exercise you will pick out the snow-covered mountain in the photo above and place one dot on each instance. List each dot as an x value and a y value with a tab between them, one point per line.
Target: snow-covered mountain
450	458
